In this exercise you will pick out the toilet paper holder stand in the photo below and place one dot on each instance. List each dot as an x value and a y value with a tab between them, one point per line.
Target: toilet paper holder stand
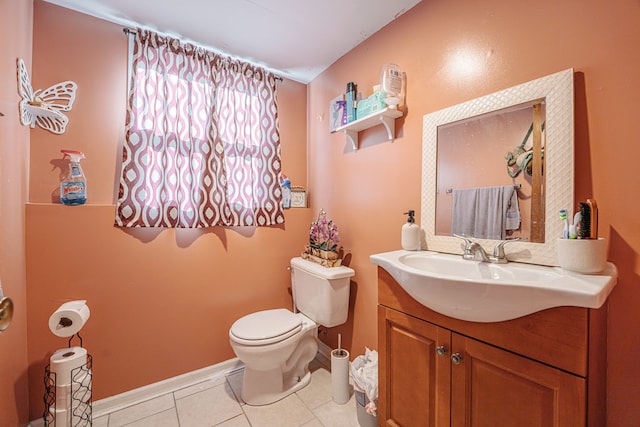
80	392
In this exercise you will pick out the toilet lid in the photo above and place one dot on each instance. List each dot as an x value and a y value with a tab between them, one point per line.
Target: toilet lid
266	327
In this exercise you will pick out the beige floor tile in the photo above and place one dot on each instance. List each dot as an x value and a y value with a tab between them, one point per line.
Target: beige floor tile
239	421
208	407
141	410
196	388
235	381
100	421
288	412
313	423
218	402
167	418
333	415
318	391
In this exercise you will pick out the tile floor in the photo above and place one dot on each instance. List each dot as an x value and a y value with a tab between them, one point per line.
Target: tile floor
218	403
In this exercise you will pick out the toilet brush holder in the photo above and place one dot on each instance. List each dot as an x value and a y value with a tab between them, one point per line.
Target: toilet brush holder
340	392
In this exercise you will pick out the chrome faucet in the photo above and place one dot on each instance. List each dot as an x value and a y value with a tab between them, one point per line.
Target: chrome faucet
474	252
499	257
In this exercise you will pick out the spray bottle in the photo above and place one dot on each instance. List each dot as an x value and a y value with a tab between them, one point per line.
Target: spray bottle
73	186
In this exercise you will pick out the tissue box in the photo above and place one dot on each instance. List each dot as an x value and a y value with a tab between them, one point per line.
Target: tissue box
371	105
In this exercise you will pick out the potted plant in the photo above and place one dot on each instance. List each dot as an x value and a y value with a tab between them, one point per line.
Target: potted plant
323	242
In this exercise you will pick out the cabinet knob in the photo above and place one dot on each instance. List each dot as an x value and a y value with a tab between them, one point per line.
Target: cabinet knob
441	350
456	358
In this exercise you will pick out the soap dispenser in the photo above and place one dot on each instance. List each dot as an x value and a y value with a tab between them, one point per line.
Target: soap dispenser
410	233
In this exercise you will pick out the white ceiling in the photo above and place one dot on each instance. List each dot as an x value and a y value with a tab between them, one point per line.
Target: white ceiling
297	39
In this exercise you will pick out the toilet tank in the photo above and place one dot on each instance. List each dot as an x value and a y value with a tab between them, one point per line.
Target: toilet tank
321	293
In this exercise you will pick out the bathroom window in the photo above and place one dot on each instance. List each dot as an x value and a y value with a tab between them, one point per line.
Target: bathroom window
202	146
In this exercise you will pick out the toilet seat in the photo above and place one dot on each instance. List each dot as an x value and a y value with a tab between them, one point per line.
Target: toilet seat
265	327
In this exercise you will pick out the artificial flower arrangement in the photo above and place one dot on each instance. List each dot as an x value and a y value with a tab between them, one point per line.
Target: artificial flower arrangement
323	242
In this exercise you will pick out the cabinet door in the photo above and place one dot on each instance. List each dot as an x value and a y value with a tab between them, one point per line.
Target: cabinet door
413	379
493	387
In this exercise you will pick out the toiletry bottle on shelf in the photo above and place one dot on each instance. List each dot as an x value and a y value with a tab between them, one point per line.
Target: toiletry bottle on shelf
73	186
392	82
286	192
351	101
410	233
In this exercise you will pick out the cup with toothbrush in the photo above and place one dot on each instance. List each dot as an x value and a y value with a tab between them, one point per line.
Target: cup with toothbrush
585	222
580	250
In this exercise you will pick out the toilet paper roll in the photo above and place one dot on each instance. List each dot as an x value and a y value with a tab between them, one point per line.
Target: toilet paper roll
340	390
63	397
64	361
79	415
62	416
69	318
68	395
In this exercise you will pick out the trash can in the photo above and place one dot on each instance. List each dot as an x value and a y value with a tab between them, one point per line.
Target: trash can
364	372
364	419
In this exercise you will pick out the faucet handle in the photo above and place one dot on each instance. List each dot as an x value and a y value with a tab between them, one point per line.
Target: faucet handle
467	242
498	250
470	248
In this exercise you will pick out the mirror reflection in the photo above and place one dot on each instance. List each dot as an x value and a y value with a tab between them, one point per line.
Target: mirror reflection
490	174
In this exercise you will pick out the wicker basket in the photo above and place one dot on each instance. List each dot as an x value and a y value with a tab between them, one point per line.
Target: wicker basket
324	258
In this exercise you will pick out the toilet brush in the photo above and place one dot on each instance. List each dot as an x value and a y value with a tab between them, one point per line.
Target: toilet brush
340	374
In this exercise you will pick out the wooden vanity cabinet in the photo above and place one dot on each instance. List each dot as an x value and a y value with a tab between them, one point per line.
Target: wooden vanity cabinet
545	369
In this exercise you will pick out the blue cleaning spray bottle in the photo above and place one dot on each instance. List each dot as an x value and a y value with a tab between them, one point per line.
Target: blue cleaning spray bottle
73	186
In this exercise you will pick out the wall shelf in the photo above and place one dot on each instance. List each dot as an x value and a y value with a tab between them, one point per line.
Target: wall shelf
386	117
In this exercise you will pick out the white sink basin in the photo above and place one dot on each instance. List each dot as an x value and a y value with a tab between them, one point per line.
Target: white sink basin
483	292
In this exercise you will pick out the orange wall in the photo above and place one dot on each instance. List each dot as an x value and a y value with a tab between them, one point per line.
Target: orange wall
364	192
509	42
15	33
161	301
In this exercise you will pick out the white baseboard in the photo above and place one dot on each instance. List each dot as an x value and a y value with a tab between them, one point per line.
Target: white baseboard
325	352
138	395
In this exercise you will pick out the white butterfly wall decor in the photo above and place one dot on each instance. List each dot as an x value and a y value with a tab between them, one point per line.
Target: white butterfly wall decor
45	107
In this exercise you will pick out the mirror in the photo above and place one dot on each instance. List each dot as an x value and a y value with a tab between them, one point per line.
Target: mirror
499	148
451	160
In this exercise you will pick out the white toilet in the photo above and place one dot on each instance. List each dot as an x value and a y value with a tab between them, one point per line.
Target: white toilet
277	345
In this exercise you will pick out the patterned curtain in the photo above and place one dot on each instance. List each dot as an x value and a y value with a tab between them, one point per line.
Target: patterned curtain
202	146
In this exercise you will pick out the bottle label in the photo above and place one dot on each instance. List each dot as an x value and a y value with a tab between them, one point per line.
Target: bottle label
76	172
395	81
286	197
72	192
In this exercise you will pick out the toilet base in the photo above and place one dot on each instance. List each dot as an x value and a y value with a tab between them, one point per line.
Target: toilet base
262	387
257	396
